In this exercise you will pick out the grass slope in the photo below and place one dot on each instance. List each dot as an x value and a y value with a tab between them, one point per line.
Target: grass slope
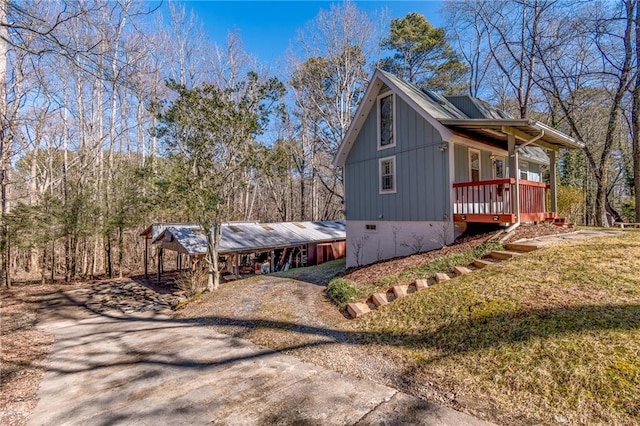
547	338
343	291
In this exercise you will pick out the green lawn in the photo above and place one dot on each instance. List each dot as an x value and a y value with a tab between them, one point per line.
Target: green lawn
320	274
550	336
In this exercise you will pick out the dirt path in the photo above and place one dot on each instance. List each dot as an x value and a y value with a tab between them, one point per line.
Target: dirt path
120	358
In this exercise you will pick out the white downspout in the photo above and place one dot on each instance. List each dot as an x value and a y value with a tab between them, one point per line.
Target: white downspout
530	141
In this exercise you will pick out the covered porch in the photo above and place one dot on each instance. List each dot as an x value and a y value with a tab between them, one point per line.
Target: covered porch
493	201
512	198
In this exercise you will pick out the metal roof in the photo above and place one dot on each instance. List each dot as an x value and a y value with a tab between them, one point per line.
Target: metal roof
476	108
435	105
463	115
238	237
523	129
152	231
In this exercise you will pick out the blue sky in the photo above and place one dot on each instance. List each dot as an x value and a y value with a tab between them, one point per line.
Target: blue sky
268	27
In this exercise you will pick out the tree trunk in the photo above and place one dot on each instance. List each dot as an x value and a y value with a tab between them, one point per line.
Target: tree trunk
53	261
67	259
600	204
303	215
5	148
213	242
120	251
635	118
109	263
43	268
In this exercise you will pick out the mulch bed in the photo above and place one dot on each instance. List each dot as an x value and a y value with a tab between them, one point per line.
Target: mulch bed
540	230
365	274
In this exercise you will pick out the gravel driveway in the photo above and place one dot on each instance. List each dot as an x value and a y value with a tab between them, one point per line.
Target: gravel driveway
121	358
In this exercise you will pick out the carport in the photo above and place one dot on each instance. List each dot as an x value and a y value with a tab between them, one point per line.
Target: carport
258	247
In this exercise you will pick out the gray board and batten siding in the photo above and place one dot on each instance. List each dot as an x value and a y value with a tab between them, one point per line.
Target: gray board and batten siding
461	164
422	171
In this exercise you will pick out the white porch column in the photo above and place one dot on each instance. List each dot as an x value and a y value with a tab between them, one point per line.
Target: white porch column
553	181
514	172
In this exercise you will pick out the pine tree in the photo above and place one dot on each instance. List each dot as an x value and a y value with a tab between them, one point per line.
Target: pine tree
422	55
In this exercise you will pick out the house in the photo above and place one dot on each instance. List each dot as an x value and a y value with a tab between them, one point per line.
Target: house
418	166
243	245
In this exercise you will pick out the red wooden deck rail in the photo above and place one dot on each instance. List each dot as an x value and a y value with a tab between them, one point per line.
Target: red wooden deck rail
490	201
533	201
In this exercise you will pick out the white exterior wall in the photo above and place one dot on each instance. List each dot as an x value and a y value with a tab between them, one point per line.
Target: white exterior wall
392	239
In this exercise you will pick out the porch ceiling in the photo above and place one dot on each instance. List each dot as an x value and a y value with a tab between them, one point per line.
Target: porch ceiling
523	130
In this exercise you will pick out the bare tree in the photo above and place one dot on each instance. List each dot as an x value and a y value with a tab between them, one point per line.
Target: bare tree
635	119
599	50
563	62
329	82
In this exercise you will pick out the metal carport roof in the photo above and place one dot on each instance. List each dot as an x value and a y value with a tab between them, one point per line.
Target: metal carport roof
242	237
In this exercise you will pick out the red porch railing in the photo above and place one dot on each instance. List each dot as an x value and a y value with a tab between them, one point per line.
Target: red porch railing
533	201
491	201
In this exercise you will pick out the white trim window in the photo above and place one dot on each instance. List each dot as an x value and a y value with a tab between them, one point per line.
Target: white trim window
474	165
498	167
523	166
386	121
387	175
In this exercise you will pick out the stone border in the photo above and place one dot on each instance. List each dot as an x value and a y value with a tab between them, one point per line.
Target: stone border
380	299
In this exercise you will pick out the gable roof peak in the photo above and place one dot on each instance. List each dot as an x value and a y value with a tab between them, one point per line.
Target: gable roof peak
429	109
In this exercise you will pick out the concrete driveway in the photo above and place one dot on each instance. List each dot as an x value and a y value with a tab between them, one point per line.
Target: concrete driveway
141	366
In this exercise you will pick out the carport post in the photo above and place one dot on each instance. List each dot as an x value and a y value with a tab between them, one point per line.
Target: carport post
146	257
237	266
158	254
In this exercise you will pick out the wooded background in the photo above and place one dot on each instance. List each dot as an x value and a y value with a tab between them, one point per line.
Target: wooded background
89	143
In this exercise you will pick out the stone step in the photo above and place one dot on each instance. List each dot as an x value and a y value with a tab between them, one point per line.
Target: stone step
442	277
400	291
481	263
523	247
564	225
504	255
461	270
358	309
380	299
422	284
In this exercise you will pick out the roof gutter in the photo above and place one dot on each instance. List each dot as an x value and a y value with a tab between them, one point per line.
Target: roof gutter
561	140
569	141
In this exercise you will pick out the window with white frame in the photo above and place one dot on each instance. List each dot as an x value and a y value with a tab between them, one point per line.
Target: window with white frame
498	167
387	175
524	170
474	165
386	134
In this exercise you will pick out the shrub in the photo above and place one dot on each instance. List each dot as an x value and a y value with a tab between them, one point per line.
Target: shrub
341	291
628	210
571	203
192	282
